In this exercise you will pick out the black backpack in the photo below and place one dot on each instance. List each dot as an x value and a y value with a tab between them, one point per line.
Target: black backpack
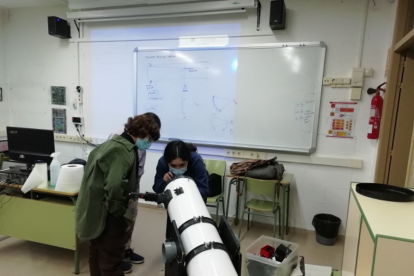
214	184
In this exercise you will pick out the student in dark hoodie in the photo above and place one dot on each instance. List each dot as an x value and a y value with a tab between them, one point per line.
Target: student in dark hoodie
181	159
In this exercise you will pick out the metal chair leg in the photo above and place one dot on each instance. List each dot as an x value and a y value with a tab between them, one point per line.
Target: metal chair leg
241	225
228	199
287	210
224	210
280	222
274	225
248	219
217	212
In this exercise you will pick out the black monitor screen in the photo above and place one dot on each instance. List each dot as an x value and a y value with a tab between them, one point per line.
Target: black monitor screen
30	145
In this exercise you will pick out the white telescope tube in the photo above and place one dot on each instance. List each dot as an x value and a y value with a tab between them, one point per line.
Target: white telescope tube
187	206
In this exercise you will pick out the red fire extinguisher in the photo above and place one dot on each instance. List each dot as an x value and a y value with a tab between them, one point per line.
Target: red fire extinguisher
376	110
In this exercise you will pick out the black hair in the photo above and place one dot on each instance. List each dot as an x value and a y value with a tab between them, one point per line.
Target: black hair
192	147
154	117
178	149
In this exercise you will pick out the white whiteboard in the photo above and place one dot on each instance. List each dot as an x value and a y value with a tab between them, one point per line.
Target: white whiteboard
255	96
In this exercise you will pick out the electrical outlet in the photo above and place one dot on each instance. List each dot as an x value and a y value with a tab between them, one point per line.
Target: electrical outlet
261	155
237	154
227	153
327	81
250	155
60	137
71	138
368	72
234	153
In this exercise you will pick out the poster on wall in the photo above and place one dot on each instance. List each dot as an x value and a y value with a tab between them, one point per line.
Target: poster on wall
58	95
59	120
342	119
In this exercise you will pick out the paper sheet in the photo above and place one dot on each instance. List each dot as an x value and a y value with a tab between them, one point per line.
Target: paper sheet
37	177
43	172
313	270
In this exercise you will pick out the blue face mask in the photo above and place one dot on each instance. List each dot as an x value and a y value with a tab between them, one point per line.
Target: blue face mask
178	172
143	144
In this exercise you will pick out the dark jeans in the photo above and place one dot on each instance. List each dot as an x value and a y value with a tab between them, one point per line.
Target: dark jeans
106	252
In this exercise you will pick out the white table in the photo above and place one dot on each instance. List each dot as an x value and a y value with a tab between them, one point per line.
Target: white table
379	237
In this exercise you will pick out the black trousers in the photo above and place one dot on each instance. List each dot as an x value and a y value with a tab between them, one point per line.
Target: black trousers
106	252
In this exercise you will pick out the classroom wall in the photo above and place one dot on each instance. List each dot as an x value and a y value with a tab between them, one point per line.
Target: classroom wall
36	61
4	110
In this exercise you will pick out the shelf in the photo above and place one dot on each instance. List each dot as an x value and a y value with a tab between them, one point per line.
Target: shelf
405	43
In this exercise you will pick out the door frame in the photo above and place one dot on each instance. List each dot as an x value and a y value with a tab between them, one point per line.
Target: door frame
403	40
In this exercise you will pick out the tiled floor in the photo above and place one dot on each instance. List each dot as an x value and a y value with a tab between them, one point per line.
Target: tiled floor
19	257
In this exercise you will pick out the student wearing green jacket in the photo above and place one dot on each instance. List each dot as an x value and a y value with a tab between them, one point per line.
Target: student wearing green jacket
130	256
102	214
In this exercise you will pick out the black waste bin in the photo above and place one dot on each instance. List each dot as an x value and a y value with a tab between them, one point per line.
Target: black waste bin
326	227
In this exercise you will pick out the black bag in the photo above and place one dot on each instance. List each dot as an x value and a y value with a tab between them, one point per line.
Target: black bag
77	161
270	169
214	183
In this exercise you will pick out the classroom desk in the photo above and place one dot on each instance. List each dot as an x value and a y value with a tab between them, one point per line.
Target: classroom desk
379	237
41	218
284	183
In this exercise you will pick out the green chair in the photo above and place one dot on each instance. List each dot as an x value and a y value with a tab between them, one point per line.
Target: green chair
217	167
253	206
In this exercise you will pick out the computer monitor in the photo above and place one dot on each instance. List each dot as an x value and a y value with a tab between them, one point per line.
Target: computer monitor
28	145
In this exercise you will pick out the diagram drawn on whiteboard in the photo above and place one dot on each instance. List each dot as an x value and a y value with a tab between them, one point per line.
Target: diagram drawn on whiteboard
222	103
183	73
172	72
151	108
219	123
183	108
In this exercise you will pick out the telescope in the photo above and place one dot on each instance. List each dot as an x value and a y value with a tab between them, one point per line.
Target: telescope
195	245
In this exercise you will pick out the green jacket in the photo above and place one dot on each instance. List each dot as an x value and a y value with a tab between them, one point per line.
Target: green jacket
110	175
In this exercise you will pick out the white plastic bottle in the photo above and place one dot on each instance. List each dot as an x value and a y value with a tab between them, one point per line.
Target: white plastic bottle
54	169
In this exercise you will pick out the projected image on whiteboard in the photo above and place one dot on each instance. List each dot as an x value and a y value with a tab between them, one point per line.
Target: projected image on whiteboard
194	93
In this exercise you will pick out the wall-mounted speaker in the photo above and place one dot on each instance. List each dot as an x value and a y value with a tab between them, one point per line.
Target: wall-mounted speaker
277	15
58	27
